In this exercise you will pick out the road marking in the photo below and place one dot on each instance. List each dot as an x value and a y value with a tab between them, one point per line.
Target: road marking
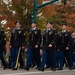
39	72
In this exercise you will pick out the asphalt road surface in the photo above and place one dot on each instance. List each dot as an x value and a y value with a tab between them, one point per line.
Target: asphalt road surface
36	72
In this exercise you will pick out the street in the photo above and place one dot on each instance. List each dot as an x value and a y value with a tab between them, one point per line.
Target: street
36	72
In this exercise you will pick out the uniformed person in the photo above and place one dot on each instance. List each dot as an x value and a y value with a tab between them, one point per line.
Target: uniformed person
73	47
64	41
2	45
17	41
49	53
48	61
33	46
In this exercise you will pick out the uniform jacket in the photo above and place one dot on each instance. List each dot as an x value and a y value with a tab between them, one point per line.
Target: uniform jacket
34	38
2	38
17	38
64	40
49	37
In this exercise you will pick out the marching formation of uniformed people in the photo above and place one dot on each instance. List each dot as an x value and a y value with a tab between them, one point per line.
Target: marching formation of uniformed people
58	48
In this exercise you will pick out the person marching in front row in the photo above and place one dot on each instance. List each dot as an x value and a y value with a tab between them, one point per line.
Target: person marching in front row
2	45
49	47
73	48
17	43
33	46
64	43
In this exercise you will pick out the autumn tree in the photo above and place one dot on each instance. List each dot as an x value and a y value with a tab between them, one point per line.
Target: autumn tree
66	13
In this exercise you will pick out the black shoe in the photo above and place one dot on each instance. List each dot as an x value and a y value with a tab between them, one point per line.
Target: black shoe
47	67
37	68
9	67
41	69
60	68
14	68
32	66
20	67
73	67
53	69
4	68
70	68
26	68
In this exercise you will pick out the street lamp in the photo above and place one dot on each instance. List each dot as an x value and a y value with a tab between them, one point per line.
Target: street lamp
36	7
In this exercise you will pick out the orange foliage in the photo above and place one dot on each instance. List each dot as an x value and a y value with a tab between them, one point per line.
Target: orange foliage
48	11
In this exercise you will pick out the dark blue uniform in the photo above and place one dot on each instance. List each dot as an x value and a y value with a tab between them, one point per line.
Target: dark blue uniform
33	53
64	40
49	53
17	40
2	45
